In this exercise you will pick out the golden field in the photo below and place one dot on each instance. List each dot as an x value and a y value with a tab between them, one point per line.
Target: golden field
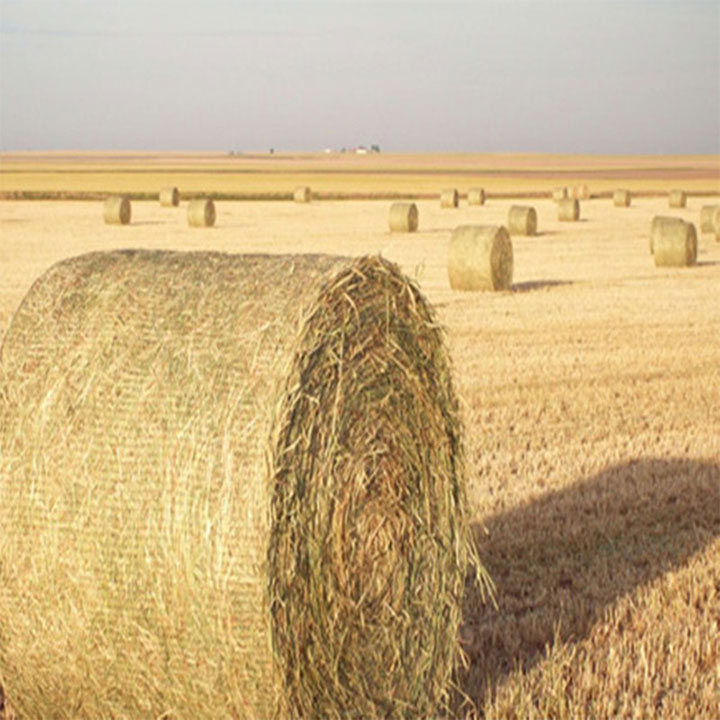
590	393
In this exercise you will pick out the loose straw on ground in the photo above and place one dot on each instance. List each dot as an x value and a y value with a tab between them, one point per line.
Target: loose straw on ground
302	194
117	211
449	198
403	217
675	244
522	220
568	210
621	198
169	197
201	213
476	196
480	258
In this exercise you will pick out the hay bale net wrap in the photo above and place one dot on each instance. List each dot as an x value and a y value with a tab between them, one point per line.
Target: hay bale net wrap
522	220
117	210
706	218
201	213
622	198
403	217
449	198
191	444
476	196
677	198
675	244
480	257
568	210
169	197
302	194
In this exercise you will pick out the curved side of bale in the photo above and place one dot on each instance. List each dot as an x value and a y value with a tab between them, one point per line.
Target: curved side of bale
677	199
716	223
559	193
117	210
675	244
476	196
656	227
169	197
403	217
194	448
201	213
706	218
522	220
302	194
568	210
449	198
480	258
622	198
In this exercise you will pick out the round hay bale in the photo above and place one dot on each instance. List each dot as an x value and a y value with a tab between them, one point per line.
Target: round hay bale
232	486
677	199
480	258
302	194
449	198
568	210
621	198
559	193
476	196
403	217
706	218
201	213
117	211
716	223
581	192
169	197
658	222
675	244
522	220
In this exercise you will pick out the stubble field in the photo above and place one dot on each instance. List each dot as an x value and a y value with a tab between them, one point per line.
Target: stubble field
591	404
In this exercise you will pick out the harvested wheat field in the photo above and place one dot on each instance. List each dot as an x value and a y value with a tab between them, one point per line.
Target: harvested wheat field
589	396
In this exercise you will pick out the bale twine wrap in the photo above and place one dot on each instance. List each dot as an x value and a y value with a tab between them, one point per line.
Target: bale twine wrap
656	227
559	193
476	196
706	218
117	210
201	213
169	197
621	198
403	217
302	194
677	199
568	210
230	486
522	220
674	244
449	198
480	258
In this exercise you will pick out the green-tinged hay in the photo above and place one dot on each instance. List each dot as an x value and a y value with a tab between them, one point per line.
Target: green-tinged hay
675	244
656	227
169	197
117	211
449	198
230	486
559	193
568	210
302	194
403	217
677	199
522	220
480	258
201	213
706	218
476	196
622	198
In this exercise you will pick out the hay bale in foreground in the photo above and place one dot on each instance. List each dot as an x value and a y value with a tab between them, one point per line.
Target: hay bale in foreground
706	218
568	210
117	210
621	198
169	197
201	213
480	258
677	198
230	486
403	217
559	193
522	220
656	227
674	244
476	196
302	194
449	198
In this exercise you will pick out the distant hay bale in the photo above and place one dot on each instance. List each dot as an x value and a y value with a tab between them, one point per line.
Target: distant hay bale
169	197
674	244
476	196
201	213
522	220
581	192
449	198
568	210
559	193
677	198
706	218
231	486
480	258
621	198
117	211
656	227
403	217
716	223
302	194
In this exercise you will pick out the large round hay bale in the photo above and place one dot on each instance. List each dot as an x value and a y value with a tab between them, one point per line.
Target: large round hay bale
656	227
449	198
230	486
559	193
201	213
302	194
169	197
476	196
677	198
675	244
621	198
480	258
568	210
117	210
522	220
403	217
706	218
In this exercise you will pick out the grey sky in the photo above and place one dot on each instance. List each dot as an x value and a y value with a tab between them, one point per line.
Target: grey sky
600	76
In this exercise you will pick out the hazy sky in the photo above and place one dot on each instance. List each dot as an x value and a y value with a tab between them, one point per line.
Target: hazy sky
602	76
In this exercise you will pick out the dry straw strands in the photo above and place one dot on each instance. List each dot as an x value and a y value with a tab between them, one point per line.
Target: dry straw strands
449	198
117	211
568	210
621	198
480	258
677	199
476	196
674	244
230	486
201	213
522	220
706	218
403	217
559	193
169	197
656	227
302	194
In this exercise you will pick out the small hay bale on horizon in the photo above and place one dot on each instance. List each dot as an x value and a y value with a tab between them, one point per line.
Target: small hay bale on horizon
706	218
449	198
476	196
480	257
677	199
403	217
117	210
560	193
201	213
622	198
169	197
568	210
522	220
302	194
581	192
675	244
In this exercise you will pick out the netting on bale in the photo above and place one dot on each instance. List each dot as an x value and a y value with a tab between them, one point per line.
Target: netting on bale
230	486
